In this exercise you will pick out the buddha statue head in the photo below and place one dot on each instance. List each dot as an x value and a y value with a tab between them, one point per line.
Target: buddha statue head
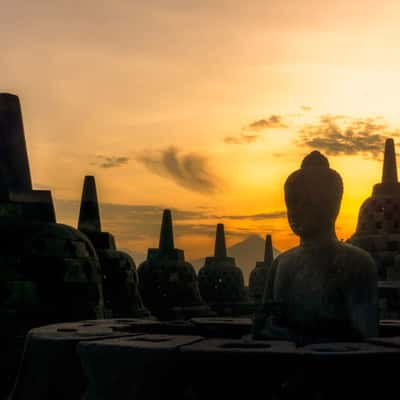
313	195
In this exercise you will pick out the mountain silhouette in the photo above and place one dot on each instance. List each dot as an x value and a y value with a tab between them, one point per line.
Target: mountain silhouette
247	253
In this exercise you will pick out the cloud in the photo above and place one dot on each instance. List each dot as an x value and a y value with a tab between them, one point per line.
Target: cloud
241	139
190	171
342	135
274	121
110	161
142	222
255	217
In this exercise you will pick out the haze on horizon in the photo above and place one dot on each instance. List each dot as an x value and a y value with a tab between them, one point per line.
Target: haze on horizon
203	107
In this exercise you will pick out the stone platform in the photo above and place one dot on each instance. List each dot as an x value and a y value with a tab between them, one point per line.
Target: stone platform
203	358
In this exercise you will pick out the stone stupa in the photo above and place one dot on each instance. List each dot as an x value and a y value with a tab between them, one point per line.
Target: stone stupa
220	280
49	272
378	228
259	273
121	294
168	283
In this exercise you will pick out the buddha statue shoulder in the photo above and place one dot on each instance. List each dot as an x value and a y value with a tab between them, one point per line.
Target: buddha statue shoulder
324	289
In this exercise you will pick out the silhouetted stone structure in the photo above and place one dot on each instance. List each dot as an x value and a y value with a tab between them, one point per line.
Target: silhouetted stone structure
220	280
145	359
259	274
120	289
323	290
378	232
48	271
167	282
17	199
378	228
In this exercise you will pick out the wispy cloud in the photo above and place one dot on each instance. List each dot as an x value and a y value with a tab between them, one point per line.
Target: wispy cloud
110	161
342	135
190	170
241	139
255	217
142	222
274	121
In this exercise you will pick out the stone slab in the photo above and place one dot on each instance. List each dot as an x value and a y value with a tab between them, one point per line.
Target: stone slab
50	368
140	367
223	327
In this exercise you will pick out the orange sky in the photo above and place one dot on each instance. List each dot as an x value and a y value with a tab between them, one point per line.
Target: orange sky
158	100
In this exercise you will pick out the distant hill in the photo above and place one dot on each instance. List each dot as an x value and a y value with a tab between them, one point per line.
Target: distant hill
246	253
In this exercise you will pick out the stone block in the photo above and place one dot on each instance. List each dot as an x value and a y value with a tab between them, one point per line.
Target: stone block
228	368
50	368
389	328
140	367
233	328
347	370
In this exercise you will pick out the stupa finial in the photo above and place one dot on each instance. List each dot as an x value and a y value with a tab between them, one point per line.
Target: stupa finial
89	215
14	165
167	232
268	255
220	244
389	174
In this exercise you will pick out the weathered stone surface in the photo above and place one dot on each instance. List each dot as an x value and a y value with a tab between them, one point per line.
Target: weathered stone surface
141	367
120	287
220	280
389	299
53	272
323	290
233	328
50	367
347	370
225	368
168	283
259	274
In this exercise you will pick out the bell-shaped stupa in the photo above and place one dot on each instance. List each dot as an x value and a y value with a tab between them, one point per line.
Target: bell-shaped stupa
220	280
168	283
121	293
378	228
49	272
259	273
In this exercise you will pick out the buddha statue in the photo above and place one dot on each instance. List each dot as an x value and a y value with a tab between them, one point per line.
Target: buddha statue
324	289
